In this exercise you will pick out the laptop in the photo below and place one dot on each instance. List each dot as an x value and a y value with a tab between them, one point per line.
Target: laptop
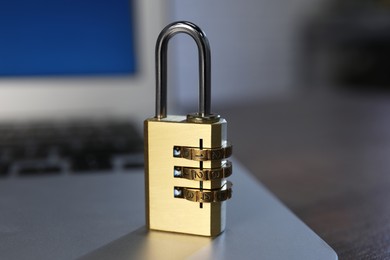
52	211
77	79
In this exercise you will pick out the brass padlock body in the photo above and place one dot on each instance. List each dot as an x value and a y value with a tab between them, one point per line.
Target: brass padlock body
164	211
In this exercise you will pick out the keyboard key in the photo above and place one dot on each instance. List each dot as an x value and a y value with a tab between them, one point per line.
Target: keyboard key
39	170
4	169
89	162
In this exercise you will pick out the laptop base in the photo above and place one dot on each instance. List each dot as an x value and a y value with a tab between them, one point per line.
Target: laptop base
101	216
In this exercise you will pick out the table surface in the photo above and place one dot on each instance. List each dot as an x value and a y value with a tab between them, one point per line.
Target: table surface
327	157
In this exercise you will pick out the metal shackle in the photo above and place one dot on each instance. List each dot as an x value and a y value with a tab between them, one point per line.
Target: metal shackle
204	70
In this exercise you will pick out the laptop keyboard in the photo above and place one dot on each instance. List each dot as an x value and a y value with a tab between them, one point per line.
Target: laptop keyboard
69	147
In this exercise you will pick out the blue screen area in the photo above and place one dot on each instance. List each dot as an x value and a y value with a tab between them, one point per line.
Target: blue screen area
66	37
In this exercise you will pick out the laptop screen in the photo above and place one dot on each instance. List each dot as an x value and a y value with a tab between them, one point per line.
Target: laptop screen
65	58
62	37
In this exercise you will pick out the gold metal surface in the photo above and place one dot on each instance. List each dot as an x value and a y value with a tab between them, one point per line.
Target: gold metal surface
163	210
205	196
198	174
205	154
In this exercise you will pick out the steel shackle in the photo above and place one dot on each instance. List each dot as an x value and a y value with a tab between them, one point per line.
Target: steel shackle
204	70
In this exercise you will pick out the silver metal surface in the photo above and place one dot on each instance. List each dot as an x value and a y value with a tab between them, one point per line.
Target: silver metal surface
204	66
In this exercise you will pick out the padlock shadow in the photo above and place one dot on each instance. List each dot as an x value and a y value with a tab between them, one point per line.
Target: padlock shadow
145	244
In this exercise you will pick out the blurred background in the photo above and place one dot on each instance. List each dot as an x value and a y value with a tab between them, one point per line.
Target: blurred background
273	49
303	84
261	50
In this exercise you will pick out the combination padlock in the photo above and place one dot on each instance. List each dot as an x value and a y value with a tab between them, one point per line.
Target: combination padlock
185	156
